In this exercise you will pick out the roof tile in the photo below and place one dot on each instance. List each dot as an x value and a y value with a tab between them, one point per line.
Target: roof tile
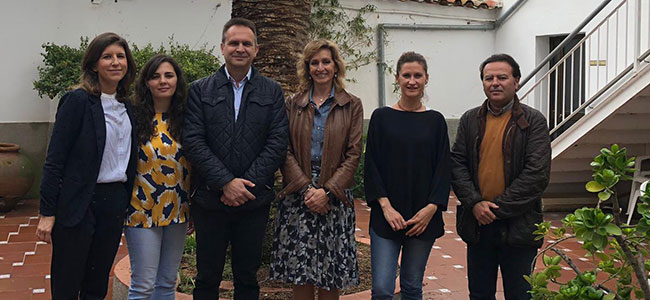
488	4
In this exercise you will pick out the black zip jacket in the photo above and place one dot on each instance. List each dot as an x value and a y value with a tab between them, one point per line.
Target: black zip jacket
221	149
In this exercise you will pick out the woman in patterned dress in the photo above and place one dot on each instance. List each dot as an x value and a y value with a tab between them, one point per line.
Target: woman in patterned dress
158	213
314	245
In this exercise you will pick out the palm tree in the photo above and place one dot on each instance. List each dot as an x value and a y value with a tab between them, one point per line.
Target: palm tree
282	32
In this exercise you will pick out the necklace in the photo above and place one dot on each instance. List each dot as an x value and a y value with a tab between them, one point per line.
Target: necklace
320	99
409	110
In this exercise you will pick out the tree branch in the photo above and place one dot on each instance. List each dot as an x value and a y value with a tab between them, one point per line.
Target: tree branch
611	276
551	245
636	262
575	268
568	260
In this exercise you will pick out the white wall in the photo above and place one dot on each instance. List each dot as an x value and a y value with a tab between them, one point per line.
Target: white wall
525	34
28	24
610	49
453	56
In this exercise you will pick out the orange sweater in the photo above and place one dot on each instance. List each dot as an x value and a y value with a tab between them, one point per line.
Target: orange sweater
491	178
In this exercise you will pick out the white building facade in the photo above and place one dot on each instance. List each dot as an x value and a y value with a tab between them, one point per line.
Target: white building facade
454	40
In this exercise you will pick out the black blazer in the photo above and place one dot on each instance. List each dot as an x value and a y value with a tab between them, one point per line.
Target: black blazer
74	156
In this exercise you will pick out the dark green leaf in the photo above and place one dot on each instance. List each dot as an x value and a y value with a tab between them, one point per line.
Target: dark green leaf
612	229
599	241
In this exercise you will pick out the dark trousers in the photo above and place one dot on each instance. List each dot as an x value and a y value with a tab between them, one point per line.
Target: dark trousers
244	231
491	253
82	256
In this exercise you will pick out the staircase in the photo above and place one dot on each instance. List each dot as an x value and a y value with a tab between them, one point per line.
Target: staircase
596	95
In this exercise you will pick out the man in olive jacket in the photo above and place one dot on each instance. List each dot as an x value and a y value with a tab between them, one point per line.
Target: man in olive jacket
501	164
236	136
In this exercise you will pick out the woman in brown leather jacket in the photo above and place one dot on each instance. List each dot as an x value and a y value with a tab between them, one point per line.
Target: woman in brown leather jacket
314	244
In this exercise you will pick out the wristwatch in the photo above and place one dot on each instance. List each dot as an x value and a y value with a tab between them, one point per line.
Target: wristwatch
329	194
305	189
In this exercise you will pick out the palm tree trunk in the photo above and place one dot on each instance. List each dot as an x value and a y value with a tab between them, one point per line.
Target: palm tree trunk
282	27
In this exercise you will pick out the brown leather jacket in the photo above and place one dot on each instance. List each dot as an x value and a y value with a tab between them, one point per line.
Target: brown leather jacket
341	145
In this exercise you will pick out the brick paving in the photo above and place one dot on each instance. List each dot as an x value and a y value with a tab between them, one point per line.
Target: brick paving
445	276
25	263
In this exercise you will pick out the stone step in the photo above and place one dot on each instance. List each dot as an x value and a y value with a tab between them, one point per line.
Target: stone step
567	204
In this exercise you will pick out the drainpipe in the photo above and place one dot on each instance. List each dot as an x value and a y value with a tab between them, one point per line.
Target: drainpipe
381	27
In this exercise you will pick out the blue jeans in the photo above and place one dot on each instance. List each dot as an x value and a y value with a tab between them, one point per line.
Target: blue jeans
383	260
155	254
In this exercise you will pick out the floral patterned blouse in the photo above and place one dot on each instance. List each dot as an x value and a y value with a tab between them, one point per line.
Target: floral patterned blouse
162	182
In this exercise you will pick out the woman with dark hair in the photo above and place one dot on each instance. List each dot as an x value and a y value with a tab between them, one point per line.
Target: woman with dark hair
158	213
89	171
407	177
314	245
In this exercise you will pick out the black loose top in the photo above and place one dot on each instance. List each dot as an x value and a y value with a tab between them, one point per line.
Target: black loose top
407	160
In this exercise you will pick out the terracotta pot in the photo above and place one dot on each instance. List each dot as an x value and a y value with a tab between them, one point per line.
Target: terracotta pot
16	175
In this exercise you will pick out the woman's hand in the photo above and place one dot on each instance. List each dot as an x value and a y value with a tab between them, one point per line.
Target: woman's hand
421	220
44	229
317	201
394	218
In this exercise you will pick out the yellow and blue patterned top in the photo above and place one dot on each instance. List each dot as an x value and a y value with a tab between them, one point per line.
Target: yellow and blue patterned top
162	182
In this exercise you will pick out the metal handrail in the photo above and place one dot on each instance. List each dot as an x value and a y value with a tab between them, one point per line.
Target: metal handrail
566	40
591	100
564	43
600	92
556	90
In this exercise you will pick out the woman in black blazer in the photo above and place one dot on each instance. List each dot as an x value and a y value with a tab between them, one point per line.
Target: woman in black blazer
89	171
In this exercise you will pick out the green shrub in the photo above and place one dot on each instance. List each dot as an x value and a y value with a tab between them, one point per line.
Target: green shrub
190	244
61	67
617	251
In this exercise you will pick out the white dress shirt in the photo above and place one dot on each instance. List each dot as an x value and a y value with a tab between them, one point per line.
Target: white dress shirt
117	149
238	89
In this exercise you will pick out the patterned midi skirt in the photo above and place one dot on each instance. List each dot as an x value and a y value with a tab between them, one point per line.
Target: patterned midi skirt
309	248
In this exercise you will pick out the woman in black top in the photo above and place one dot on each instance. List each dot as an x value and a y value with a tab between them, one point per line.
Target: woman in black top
407	180
88	172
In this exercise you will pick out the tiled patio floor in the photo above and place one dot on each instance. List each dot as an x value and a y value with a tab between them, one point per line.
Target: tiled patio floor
24	263
446	275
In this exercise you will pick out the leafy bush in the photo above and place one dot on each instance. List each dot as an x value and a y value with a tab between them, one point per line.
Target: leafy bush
61	70
618	251
61	67
190	244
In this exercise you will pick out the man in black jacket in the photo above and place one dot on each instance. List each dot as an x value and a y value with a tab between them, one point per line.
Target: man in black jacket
501	166
235	135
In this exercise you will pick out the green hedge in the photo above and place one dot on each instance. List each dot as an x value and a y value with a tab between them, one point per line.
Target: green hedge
61	67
